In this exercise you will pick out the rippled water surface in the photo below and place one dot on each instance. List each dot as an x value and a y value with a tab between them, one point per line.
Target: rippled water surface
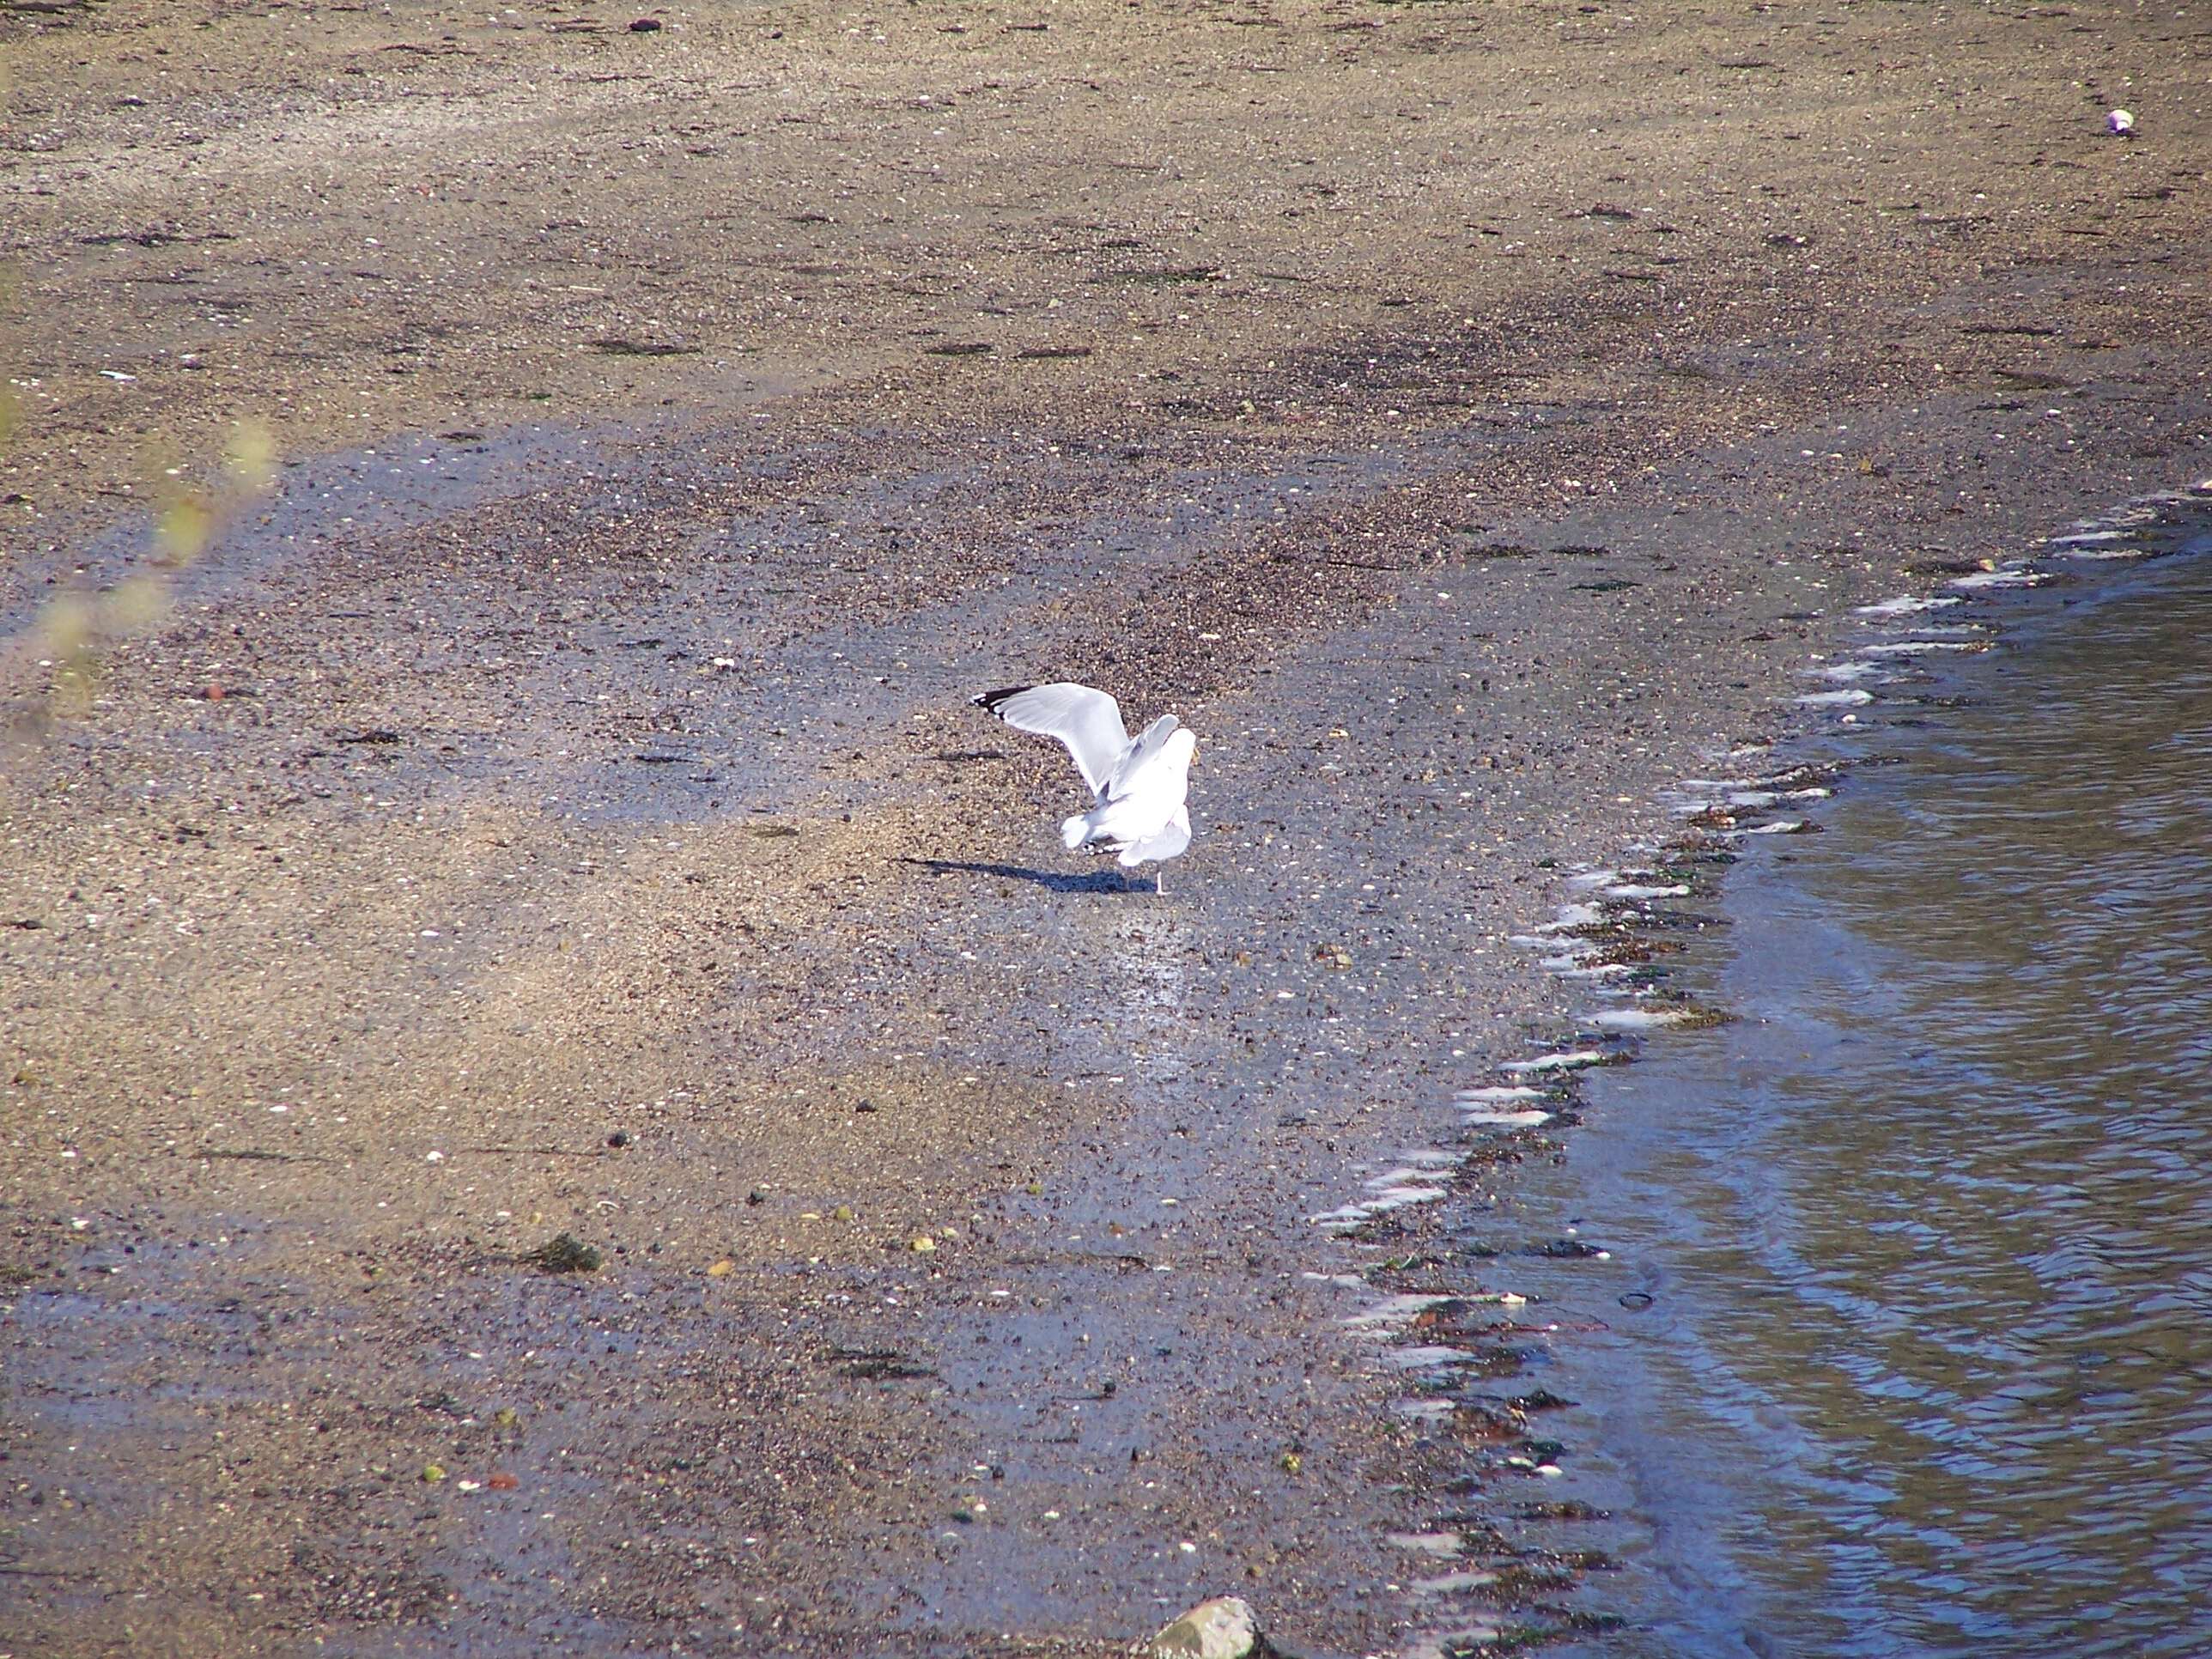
1928	1231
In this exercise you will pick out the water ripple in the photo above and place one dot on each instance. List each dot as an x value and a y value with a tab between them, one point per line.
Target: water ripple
1931	1368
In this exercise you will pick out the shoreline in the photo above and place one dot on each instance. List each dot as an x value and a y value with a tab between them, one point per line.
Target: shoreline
1647	1187
607	851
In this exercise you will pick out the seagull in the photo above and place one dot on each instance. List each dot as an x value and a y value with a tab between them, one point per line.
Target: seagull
1140	786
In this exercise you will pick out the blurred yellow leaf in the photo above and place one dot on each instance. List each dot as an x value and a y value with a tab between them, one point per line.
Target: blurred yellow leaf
185	527
72	631
252	461
137	603
67	627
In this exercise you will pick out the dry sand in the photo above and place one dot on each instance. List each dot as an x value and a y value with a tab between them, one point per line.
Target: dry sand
554	808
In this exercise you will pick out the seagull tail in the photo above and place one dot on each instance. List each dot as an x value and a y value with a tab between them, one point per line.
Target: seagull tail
1073	831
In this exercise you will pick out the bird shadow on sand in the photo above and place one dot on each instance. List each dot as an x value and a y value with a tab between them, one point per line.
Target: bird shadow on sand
1101	881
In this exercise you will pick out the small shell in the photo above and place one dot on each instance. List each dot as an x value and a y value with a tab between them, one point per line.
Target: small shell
2120	123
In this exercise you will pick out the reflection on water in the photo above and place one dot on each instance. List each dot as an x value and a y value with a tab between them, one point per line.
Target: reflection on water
1928	1367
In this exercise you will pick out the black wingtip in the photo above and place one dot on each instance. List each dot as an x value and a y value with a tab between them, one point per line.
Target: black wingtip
989	701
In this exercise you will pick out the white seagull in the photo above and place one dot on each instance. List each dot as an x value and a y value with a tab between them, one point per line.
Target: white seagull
1140	786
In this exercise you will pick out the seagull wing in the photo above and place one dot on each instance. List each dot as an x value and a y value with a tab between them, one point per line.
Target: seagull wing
1089	723
1141	754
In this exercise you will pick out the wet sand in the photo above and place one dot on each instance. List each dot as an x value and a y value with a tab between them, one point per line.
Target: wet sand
556	810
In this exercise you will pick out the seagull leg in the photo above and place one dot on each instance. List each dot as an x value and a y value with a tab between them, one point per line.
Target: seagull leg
1160	879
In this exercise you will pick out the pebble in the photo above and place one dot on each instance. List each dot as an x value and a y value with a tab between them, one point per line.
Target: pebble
1222	1628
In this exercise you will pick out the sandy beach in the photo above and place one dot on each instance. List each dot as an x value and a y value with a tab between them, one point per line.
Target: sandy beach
552	808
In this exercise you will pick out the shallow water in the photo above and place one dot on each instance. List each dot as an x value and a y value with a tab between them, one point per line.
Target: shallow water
1927	1367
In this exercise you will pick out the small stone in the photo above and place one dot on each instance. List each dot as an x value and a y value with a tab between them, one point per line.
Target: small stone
1222	1628
434	1471
645	26
619	1138
721	1269
923	1245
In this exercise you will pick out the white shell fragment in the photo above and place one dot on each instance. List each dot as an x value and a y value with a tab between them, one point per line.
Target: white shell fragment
1531	1119
1641	1019
1904	604
1573	1061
